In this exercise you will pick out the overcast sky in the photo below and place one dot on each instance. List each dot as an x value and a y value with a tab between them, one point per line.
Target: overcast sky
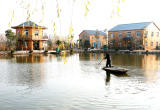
131	11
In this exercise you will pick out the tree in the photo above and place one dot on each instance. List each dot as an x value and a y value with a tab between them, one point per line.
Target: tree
11	39
87	44
58	42
50	43
97	36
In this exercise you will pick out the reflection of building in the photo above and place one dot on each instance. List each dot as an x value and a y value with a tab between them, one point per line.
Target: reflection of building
151	67
90	35
133	35
31	36
29	59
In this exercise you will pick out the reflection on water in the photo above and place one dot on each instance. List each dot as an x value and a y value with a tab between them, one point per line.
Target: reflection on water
44	82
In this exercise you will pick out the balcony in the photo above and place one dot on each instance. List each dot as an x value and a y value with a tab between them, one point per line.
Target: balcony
33	37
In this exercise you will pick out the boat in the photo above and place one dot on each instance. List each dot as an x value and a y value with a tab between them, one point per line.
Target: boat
115	69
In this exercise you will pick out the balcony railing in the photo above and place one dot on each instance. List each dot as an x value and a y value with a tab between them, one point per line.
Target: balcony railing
33	37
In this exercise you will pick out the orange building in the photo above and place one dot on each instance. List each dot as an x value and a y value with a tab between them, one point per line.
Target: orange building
30	36
91	36
134	35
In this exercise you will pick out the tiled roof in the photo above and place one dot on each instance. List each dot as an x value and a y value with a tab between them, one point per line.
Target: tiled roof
29	23
132	26
93	32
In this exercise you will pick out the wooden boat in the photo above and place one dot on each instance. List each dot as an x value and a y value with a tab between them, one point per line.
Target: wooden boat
116	69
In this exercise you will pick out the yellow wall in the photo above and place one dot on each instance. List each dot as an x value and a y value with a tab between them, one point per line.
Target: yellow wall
89	37
151	28
30	38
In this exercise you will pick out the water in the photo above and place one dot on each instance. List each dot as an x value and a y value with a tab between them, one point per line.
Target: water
44	82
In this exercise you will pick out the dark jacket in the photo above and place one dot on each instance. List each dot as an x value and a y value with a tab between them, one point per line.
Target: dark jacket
107	57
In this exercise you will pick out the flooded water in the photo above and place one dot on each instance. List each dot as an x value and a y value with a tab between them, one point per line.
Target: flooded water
44	82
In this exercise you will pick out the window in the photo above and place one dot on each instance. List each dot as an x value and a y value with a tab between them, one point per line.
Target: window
156	43
120	34
26	32
111	44
146	33
152	34
104	37
128	34
17	44
157	34
138	33
92	37
151	44
26	44
112	35
84	37
137	43
17	32
36	33
146	44
119	44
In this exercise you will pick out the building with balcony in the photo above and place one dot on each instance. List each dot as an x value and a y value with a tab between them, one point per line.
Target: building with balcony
134	35
30	36
90	35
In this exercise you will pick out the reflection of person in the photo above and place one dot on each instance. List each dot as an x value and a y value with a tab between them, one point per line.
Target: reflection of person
108	62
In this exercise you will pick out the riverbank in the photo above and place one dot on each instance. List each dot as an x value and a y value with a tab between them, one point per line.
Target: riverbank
123	51
81	51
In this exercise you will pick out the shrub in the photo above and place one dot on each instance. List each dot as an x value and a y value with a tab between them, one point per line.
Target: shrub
45	51
124	47
92	47
140	47
71	50
30	51
12	51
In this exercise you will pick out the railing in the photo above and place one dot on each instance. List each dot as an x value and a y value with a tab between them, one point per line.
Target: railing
33	37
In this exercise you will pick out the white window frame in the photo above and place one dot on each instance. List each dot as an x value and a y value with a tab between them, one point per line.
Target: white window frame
146	44
120	34
111	44
151	44
128	34
157	43
36	32
26	32
112	35
157	34
146	34
152	34
119	44
138	33
17	32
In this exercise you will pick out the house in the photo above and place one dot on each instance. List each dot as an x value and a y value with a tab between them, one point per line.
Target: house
134	35
30	36
90	35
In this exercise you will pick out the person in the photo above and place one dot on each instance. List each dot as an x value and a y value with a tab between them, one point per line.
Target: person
108	62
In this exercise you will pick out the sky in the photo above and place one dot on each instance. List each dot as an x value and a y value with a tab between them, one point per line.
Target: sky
99	16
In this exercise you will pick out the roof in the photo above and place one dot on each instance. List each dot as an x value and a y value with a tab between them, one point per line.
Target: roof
29	24
132	26
93	32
